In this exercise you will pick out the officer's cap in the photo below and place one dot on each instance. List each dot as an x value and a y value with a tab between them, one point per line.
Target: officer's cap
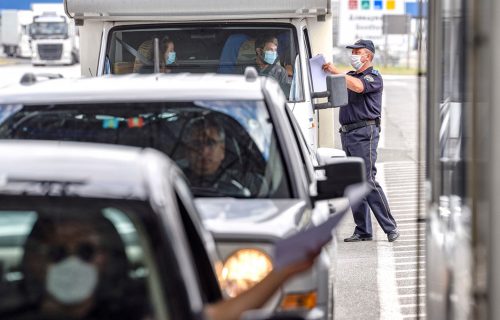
367	44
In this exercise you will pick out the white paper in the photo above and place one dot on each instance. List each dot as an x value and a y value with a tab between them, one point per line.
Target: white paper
318	75
301	245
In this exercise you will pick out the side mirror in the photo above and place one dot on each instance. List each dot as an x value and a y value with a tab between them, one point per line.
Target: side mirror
325	155
339	173
336	92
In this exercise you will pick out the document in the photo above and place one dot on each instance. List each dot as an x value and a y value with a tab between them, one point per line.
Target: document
317	73
299	246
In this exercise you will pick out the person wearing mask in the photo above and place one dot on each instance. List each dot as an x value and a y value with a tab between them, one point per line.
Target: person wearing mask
168	56
267	62
77	268
359	133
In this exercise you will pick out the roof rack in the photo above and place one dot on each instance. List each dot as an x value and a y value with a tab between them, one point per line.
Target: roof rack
31	78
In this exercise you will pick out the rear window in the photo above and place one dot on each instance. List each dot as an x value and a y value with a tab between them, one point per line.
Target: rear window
67	262
225	148
208	49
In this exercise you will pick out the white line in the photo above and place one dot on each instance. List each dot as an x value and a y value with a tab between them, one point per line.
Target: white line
406	263
412	287
386	278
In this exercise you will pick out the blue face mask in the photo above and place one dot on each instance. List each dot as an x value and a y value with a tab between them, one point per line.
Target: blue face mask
170	58
270	56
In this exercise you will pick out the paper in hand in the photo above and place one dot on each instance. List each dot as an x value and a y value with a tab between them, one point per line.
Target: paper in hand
318	75
300	246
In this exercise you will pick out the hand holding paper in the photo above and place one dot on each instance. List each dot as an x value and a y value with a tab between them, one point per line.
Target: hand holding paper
318	75
301	246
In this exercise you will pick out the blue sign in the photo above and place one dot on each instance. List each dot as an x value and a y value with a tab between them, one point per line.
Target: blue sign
23	4
413	9
378	5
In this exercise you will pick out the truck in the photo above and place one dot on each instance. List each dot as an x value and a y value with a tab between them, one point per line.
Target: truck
15	32
213	37
54	39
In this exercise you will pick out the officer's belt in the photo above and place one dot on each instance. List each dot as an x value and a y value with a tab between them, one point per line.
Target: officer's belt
352	126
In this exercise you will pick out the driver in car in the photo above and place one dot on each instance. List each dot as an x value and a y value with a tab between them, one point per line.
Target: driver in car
206	151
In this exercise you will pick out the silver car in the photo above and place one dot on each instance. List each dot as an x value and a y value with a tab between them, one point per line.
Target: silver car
264	187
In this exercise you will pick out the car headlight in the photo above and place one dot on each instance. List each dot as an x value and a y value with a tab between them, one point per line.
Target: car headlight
243	269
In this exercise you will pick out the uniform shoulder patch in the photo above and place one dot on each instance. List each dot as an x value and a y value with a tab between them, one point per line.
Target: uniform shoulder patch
369	78
375	72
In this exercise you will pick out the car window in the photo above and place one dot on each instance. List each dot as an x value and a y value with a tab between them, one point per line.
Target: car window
208	49
57	262
225	148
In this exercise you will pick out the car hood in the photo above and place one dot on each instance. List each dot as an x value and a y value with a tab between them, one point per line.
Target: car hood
247	218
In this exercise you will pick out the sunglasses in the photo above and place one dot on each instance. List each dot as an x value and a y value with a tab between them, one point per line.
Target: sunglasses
85	251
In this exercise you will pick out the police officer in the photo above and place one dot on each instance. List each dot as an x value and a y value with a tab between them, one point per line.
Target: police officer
359	133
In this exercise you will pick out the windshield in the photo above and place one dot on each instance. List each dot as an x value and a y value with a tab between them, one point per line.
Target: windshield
64	254
272	49
225	148
49	29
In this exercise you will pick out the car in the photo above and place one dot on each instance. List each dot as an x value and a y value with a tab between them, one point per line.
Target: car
272	186
157	264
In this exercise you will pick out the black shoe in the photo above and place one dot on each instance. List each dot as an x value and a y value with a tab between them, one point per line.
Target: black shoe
392	236
356	237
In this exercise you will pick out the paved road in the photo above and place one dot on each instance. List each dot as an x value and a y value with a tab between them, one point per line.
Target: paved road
11	70
378	279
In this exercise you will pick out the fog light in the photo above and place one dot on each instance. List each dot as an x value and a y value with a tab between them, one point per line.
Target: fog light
299	301
243	269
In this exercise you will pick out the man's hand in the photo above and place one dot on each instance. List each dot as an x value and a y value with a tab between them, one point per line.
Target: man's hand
329	67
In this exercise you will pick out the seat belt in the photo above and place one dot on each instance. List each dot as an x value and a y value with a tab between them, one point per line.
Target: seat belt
134	52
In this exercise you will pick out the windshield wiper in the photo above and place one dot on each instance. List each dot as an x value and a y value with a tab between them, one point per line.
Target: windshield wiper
211	192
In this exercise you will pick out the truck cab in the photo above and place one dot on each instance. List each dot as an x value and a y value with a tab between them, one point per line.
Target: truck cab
210	38
53	40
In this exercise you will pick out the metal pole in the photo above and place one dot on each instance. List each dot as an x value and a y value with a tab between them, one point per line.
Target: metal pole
156	55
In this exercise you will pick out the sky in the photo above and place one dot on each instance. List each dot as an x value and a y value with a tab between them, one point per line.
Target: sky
23	4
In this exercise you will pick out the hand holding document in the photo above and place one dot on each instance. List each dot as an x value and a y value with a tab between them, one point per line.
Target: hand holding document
300	246
318	75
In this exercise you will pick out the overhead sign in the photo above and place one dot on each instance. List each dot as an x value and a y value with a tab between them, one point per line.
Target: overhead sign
363	19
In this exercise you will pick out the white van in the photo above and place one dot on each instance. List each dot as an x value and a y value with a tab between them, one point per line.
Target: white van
209	36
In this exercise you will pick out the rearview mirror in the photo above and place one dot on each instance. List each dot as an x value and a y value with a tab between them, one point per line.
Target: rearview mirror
337	92
339	173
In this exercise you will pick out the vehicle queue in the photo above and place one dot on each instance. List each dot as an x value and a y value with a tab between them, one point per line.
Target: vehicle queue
259	194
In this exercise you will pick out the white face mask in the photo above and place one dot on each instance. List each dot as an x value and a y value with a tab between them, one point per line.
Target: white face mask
356	61
71	280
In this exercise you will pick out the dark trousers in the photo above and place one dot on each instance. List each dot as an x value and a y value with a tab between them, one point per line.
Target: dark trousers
363	142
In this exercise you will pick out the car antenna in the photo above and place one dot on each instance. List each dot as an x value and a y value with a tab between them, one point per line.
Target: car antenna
90	71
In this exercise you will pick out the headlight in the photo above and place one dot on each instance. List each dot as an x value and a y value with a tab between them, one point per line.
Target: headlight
243	269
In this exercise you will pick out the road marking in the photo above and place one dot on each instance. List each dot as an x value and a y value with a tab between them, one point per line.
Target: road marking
386	278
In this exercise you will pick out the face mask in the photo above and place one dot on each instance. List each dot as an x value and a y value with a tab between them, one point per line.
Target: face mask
72	280
170	58
356	61
270	56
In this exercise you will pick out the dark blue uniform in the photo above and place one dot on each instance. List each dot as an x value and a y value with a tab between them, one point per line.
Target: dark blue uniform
359	133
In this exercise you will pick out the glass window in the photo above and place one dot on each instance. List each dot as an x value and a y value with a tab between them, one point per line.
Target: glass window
272	49
61	262
225	148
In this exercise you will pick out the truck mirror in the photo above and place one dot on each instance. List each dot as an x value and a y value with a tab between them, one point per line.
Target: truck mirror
337	92
339	173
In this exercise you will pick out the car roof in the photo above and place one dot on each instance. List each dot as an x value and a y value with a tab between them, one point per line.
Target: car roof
135	88
60	168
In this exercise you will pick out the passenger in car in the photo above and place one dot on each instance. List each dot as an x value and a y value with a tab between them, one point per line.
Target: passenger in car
206	151
144	62
76	268
267	62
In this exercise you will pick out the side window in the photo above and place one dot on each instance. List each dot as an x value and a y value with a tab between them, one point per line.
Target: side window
72	256
309	54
